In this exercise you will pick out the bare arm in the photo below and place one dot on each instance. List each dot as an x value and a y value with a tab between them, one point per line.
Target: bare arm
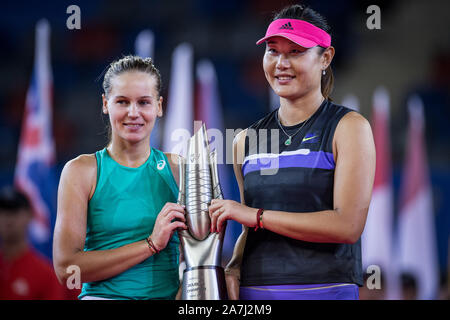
75	189
232	271
238	160
354	153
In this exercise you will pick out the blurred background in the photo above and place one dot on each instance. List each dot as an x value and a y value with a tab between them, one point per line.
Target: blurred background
408	56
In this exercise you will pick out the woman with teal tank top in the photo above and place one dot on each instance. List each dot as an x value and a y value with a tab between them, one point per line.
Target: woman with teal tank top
117	213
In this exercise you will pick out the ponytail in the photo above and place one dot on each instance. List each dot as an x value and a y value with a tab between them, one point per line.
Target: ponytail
327	83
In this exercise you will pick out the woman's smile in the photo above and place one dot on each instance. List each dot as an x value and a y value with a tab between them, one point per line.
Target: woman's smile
133	126
284	79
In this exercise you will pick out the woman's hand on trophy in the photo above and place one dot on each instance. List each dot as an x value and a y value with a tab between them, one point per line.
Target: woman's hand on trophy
222	210
169	219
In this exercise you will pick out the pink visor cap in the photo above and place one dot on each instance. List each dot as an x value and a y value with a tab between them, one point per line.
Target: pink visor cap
301	32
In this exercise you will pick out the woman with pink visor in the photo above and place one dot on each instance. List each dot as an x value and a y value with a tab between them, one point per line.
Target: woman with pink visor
305	173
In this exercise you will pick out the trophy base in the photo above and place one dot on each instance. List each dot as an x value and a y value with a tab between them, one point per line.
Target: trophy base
204	283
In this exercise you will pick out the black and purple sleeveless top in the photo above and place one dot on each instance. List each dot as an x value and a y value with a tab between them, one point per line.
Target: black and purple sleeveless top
295	177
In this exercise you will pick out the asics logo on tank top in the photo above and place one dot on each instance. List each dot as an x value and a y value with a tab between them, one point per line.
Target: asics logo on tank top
160	164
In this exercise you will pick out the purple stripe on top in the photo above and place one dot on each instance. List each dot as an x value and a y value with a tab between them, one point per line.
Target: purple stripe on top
314	159
330	291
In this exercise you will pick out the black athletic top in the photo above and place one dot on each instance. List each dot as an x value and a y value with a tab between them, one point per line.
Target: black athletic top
297	177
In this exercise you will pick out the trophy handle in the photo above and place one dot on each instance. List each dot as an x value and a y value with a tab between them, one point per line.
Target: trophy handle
182	188
183	234
217	190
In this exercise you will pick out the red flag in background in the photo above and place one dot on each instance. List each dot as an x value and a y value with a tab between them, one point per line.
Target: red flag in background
34	172
417	236
377	242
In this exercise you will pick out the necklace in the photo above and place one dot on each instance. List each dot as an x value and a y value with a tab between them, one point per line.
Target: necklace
289	139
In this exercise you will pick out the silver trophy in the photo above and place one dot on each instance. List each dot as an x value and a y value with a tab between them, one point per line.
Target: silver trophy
204	277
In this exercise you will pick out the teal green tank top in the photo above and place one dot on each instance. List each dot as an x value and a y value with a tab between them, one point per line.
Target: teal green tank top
123	210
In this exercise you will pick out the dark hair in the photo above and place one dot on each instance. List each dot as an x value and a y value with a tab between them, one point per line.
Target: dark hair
307	14
12	200
126	64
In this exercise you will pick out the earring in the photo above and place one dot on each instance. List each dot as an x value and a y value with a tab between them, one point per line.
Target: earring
323	72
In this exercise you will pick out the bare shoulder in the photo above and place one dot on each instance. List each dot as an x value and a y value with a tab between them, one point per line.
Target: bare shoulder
83	164
81	172
238	147
353	134
76	186
353	121
240	138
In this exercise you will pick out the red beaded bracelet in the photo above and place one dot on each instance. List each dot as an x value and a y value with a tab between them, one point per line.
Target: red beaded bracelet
259	219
